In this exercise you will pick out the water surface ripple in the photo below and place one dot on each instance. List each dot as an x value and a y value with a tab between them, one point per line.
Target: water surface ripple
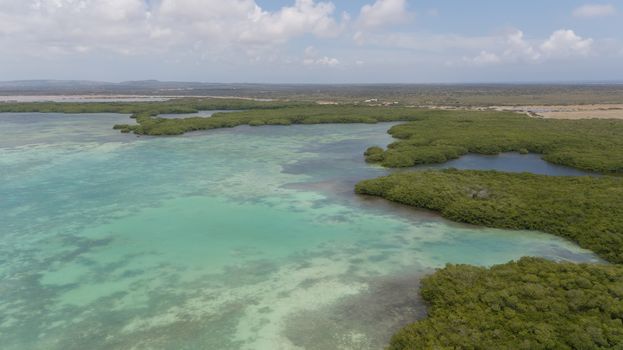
244	238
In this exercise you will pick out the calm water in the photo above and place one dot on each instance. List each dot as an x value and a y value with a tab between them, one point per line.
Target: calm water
510	162
203	114
244	238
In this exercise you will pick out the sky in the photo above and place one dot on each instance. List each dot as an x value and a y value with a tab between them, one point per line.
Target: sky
309	41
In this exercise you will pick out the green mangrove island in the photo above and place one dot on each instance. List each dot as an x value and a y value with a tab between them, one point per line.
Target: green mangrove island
528	304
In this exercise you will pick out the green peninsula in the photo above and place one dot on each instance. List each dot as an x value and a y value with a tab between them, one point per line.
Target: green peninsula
587	210
588	144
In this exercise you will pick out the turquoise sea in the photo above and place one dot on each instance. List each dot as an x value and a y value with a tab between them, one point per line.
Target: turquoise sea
243	238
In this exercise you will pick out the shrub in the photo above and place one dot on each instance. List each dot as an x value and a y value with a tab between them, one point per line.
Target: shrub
529	304
587	210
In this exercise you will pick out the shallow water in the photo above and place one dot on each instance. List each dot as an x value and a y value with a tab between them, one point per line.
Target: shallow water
203	114
510	162
244	238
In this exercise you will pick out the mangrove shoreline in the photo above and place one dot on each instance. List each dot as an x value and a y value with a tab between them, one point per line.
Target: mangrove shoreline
532	303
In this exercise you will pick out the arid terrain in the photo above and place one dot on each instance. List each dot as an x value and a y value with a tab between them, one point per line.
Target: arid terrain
600	111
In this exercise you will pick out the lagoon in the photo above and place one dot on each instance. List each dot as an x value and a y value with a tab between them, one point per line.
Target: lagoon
510	162
243	238
202	114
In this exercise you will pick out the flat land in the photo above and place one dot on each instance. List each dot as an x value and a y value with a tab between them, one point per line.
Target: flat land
457	95
581	111
599	111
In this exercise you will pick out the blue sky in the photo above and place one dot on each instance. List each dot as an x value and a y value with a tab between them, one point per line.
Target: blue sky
308	41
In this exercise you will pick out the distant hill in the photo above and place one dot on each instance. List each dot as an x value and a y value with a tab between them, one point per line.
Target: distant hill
141	87
29	84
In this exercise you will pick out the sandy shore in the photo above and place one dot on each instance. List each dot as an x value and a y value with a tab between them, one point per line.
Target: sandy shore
601	111
598	111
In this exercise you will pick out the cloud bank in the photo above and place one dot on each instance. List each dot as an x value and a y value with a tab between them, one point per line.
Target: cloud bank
382	13
239	36
135	26
563	44
594	10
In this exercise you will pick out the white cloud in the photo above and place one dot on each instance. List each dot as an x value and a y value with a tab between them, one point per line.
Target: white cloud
243	22
509	47
418	42
322	61
594	10
485	58
61	26
518	49
562	44
238	34
565	43
312	58
134	26
305	16
382	13
311	51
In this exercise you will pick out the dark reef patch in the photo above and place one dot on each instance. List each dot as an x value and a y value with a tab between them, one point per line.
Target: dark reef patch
363	321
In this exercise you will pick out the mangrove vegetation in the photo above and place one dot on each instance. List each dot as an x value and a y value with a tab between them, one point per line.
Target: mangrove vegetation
533	303
430	136
175	106
585	209
588	144
529	304
250	112
150	124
